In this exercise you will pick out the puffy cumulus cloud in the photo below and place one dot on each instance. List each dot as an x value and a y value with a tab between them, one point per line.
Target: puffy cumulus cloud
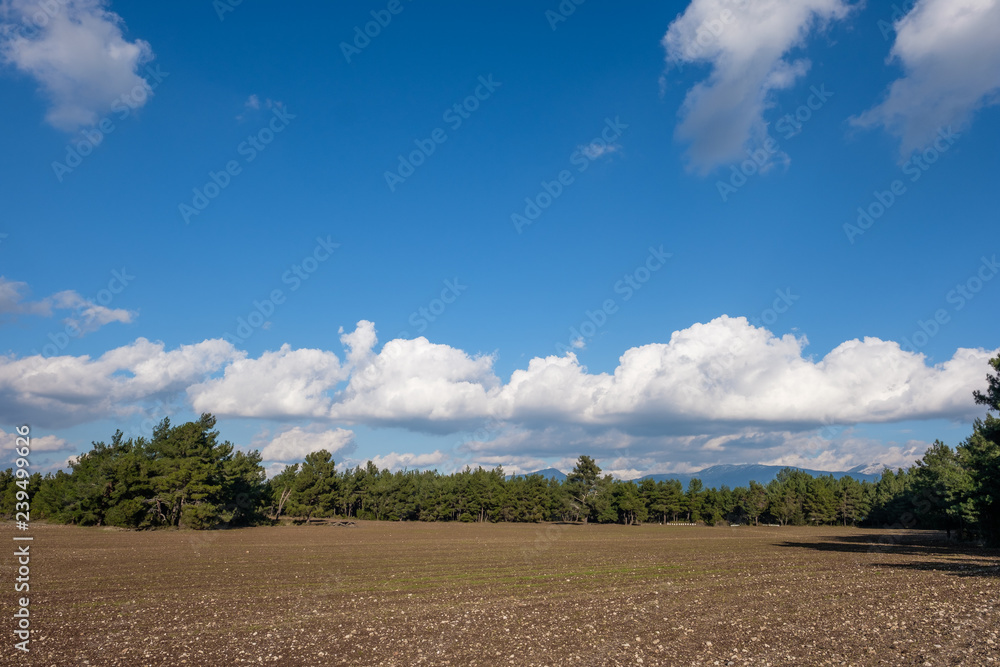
75	50
280	385
553	388
721	391
727	374
88	316
274	468
417	384
746	43
359	343
45	443
295	443
409	383
950	55
66	390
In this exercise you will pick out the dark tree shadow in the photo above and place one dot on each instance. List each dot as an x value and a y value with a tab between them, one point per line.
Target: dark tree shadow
926	545
979	569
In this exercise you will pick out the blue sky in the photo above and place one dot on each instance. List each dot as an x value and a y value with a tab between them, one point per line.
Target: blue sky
501	233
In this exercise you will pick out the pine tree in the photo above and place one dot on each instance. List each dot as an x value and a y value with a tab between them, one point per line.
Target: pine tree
581	484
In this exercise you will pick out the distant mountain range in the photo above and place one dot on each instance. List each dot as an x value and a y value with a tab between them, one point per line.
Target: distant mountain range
739	475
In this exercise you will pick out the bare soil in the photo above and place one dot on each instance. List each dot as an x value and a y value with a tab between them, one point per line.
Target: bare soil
507	594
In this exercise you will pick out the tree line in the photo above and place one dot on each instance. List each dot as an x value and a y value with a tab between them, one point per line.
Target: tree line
184	476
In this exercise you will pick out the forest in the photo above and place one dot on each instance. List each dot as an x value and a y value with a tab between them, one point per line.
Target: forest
183	476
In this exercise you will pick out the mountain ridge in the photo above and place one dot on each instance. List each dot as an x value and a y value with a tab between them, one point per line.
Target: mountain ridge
733	475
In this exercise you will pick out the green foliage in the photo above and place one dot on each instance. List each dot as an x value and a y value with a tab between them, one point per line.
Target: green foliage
694	499
127	514
188	464
820	504
581	485
941	479
314	486
980	455
184	476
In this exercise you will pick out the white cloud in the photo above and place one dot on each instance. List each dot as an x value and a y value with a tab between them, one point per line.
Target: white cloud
45	443
628	457
88	316
58	464
722	391
729	372
283	384
295	443
845	454
597	149
253	102
360	344
416	384
76	51
66	390
950	53
512	465
746	43
12	300
394	461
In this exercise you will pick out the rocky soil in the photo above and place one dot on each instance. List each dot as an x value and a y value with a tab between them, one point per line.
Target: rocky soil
451	594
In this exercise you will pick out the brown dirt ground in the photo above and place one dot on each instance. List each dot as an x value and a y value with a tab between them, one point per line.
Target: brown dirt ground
450	594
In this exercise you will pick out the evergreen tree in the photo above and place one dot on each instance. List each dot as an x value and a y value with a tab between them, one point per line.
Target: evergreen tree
940	478
189	475
314	488
819	503
981	453
694	498
581	485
